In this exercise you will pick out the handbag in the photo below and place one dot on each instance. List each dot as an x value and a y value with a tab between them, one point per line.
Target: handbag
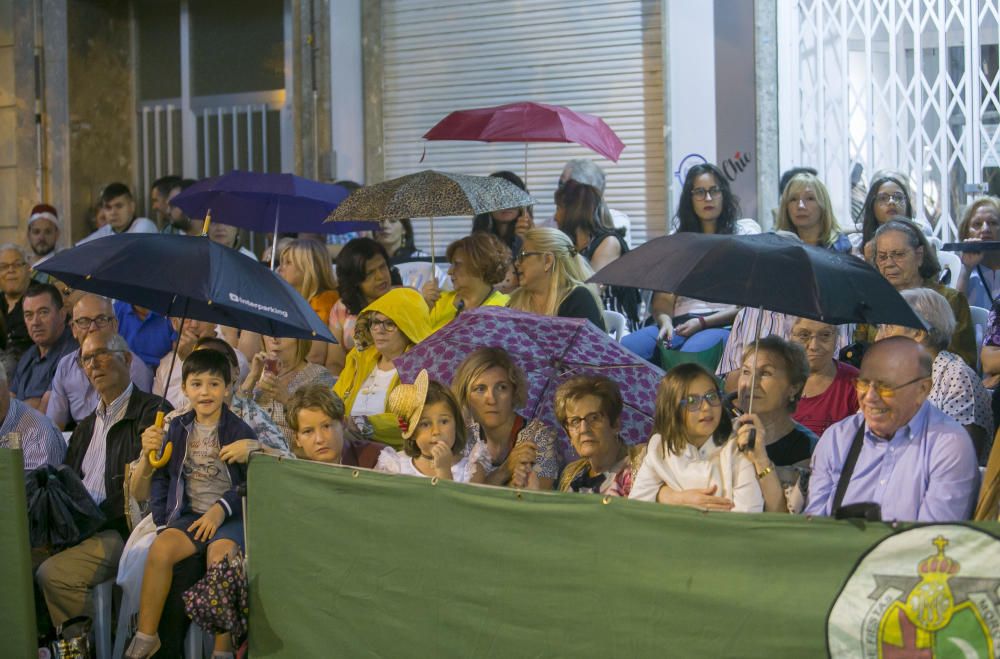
219	603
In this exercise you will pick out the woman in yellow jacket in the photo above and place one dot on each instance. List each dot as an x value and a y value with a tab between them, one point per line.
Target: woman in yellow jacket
478	263
385	329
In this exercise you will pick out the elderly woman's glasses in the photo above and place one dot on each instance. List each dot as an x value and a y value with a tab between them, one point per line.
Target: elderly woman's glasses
894	197
895	256
102	354
884	391
593	419
694	402
523	255
101	321
385	325
805	338
701	193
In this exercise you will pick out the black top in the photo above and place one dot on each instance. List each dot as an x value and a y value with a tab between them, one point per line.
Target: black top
17	332
581	304
794	447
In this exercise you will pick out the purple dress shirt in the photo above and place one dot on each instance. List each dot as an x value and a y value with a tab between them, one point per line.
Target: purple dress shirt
927	472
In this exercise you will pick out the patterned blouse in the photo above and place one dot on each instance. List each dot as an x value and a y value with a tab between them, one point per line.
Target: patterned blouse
308	374
547	462
958	392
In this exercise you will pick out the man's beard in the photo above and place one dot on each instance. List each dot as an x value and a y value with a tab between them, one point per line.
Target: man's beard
51	248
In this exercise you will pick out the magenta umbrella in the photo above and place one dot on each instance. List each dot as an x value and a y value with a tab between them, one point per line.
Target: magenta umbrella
549	350
529	122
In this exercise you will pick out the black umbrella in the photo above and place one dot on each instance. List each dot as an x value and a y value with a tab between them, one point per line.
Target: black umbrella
60	510
765	271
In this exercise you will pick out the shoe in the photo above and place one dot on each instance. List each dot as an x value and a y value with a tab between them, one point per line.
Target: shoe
142	646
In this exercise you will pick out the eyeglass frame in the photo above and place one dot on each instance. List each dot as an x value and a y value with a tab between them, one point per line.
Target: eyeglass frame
87	361
523	254
702	193
96	320
12	267
897	198
883	391
592	419
694	402
387	325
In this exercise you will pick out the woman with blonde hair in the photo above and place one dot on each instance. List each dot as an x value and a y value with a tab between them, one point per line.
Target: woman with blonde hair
551	276
979	278
806	211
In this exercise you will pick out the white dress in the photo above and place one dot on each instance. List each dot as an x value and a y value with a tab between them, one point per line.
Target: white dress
391	461
697	468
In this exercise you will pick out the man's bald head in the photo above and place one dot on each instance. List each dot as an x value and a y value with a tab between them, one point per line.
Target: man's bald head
902	367
98	310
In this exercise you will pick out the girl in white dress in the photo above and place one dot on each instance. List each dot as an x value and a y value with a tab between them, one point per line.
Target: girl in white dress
433	434
694	459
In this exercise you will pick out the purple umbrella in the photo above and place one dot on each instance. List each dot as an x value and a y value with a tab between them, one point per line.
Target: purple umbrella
260	202
549	350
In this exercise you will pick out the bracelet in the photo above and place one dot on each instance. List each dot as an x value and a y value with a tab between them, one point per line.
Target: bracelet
702	322
761	475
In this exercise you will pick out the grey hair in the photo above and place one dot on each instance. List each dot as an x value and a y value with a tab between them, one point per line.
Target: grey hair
115	342
14	247
586	172
933	309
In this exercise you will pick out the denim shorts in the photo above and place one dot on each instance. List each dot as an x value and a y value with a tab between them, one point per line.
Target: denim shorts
231	529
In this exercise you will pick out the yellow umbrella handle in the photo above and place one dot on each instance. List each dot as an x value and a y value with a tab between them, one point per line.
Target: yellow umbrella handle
168	448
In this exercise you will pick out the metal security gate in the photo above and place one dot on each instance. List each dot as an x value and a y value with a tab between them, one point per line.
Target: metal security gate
908	85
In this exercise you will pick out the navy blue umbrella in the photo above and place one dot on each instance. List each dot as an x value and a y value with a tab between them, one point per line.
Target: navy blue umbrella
189	277
260	202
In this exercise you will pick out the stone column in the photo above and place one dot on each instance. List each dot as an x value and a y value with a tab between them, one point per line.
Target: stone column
766	64
372	69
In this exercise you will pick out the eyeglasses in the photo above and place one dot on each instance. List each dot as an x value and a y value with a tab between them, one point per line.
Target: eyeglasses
11	267
895	256
805	338
523	255
701	193
694	402
593	419
385	325
890	197
101	321
103	354
884	391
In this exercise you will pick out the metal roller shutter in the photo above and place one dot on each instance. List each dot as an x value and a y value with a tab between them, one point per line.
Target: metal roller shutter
599	57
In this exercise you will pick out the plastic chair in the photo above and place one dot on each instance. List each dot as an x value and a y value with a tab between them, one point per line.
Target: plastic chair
103	600
980	320
615	324
953	264
194	642
708	358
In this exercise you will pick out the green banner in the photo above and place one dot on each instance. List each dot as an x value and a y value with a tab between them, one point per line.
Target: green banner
353	563
17	609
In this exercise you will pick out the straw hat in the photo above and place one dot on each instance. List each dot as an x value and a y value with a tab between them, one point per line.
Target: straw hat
406	401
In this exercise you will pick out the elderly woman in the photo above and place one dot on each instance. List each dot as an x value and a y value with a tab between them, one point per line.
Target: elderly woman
363	275
551	275
478	263
979	278
707	205
905	258
386	329
806	210
276	373
956	389
589	408
828	395
490	387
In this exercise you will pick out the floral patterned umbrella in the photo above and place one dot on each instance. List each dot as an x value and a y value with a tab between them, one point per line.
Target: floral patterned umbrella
549	350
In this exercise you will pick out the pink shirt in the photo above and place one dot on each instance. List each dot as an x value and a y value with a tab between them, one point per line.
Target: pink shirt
839	401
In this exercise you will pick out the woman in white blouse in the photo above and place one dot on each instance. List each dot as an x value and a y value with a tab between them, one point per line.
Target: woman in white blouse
694	459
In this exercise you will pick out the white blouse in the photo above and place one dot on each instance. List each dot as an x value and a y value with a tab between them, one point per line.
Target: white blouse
697	468
391	461
372	394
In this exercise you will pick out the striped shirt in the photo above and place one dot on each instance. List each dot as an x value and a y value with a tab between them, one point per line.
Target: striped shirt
95	461
41	441
744	333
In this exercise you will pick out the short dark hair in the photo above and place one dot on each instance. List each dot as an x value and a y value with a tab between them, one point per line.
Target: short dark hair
314	396
36	289
115	190
207	361
165	184
183	184
219	345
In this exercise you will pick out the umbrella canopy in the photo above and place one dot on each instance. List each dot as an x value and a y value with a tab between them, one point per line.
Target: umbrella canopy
60	511
764	270
191	277
549	350
259	202
529	122
431	194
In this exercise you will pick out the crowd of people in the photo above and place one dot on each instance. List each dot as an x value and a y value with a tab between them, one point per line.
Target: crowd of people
876	422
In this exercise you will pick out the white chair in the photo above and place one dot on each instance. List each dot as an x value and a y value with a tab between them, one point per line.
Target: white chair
415	273
953	264
194	642
103	599
980	319
615	324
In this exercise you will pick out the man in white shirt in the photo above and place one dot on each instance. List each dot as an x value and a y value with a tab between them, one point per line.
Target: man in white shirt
119	209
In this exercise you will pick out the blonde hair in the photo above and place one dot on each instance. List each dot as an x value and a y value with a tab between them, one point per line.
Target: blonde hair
312	259
569	271
829	228
981	202
482	360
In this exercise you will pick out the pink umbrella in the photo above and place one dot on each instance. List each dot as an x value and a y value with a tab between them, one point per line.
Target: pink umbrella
529	122
549	350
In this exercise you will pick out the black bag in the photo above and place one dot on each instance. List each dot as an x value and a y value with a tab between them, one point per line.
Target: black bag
60	510
865	510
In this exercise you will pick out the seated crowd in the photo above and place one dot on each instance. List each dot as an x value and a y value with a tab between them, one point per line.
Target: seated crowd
780	423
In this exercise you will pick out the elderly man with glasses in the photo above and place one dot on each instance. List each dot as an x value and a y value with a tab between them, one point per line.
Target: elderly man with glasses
72	397
900	458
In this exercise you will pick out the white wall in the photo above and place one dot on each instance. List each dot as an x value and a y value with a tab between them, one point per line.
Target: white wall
347	90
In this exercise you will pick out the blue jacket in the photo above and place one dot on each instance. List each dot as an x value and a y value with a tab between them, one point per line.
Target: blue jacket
168	499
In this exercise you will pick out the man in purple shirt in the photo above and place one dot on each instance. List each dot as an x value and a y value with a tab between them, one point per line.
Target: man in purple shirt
915	462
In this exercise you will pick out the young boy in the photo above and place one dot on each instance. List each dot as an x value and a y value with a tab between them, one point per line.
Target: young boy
316	415
194	500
